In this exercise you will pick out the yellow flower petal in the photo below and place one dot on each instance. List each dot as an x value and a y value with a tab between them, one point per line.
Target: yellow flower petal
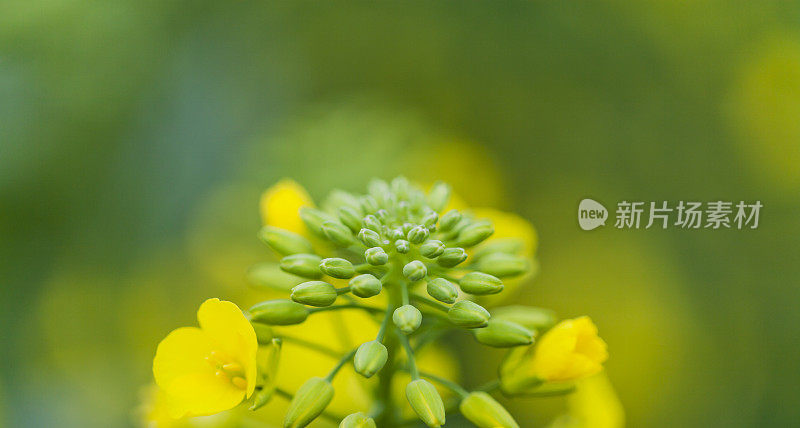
280	204
204	393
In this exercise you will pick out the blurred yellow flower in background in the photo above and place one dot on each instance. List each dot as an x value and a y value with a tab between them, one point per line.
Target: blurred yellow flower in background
569	351
594	404
280	203
209	369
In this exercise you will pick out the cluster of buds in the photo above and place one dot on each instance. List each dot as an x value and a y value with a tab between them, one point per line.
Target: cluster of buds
399	255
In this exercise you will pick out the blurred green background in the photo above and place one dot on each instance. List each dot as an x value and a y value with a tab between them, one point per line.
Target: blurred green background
136	137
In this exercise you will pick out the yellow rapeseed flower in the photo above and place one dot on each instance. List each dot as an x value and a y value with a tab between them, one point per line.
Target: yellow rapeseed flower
280	203
571	350
209	369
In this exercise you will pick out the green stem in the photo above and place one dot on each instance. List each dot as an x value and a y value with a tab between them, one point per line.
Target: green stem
412	363
385	323
345	359
404	293
490	386
449	384
430	302
311	345
343	290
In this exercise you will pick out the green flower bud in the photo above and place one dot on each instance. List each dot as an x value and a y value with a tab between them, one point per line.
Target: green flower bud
377	187
475	233
372	223
485	412
503	265
417	235
314	293
430	219
365	285
283	241
338	233
449	220
339	198
468	314
501	245
395	234
376	256
370	238
532	318
305	265
503	334
350	218
438	196
313	219
270	275
426	402
400	186
442	290
337	268
402	246
415	270
267	359
382	215
370	358
357	420
480	283
407	227
263	333
309	402
407	318
451	257
432	249
369	204
279	312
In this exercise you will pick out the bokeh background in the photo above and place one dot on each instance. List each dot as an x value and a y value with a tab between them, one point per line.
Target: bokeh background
136	137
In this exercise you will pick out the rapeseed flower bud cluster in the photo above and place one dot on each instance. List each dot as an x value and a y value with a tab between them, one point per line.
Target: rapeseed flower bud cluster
415	265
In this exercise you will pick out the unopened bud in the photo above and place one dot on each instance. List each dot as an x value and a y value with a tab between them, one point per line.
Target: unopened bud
370	238
503	265
309	402
449	220
402	246
415	270
305	265
314	293
283	241
407	227
350	217
426	402
439	195
407	318
279	312
372	223
395	234
337	268
357	420
365	285
480	283
451	257
432	249
503	334
400	186
382	215
270	275
468	314
501	245
485	412
313	219
338	233
475	233
430	219
376	256
442	290
530	317
370	358
369	204
417	235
